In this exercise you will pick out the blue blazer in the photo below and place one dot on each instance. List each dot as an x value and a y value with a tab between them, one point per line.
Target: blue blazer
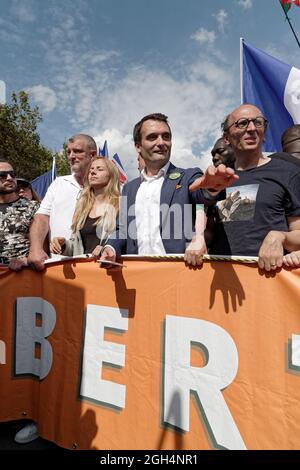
177	216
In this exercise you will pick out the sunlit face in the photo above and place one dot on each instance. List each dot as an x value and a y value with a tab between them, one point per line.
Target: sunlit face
8	181
250	138
98	175
156	142
79	155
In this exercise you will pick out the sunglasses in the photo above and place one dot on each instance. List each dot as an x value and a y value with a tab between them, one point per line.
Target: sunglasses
4	174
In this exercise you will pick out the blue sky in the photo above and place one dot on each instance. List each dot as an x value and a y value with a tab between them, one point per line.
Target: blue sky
98	66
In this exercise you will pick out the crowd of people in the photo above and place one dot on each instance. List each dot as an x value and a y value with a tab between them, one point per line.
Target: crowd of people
250	199
246	203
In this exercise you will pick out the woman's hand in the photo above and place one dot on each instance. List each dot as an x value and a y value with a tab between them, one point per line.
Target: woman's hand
96	251
56	245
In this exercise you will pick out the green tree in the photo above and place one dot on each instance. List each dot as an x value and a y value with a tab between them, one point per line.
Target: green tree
20	141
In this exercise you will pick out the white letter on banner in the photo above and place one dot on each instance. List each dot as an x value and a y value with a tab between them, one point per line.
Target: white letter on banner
207	381
28	334
97	351
295	350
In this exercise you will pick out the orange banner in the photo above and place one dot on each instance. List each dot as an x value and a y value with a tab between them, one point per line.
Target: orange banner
153	356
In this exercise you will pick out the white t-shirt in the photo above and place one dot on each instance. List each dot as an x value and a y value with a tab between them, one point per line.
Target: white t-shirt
59	204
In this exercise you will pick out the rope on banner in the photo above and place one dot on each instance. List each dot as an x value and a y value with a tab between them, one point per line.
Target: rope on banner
239	259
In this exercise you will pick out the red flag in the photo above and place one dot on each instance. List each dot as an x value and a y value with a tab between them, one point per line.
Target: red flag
297	3
286	5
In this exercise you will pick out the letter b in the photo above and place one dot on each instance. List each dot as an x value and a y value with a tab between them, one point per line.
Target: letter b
28	334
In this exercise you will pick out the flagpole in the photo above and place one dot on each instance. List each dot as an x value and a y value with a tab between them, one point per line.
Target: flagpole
289	21
53	171
241	70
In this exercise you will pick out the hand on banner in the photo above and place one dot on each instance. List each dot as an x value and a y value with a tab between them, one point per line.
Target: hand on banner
194	252
215	179
36	259
108	254
17	264
97	251
292	260
270	256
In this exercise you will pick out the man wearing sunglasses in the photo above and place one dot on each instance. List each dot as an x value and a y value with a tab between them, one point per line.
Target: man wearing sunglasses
269	188
16	215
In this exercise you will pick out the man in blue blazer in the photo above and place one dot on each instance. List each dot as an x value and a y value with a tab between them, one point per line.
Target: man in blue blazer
158	209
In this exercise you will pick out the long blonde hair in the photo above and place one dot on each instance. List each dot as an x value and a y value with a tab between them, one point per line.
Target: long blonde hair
111	201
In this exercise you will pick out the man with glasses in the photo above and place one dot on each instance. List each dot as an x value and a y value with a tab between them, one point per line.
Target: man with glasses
269	189
16	215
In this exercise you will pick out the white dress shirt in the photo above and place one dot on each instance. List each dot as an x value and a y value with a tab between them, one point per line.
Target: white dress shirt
147	213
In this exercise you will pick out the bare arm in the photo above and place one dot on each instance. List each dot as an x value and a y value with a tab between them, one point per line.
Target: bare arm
271	253
293	244
197	248
37	235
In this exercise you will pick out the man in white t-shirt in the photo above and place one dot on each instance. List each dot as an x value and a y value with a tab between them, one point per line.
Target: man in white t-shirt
57	208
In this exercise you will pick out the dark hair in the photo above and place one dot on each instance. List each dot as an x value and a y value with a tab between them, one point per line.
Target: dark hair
152	117
3	160
291	134
224	125
89	140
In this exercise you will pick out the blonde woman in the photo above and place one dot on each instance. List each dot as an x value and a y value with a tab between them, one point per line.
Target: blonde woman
95	213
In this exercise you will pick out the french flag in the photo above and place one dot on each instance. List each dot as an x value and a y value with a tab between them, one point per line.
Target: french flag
122	173
272	86
103	152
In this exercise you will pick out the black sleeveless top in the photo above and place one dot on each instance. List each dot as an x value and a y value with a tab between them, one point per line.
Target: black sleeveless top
89	235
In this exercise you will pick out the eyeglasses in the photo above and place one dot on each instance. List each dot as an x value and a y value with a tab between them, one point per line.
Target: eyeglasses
4	174
243	123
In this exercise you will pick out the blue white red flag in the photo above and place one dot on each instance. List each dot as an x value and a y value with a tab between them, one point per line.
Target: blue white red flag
122	173
274	87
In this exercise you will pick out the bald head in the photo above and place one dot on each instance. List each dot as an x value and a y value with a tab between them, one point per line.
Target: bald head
239	111
244	129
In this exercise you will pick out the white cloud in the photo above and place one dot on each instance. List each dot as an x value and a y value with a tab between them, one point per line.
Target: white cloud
221	18
196	105
246	4
79	73
204	36
101	101
43	96
122	144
